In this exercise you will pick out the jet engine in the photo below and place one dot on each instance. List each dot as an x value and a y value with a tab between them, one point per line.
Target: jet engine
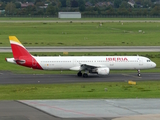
103	71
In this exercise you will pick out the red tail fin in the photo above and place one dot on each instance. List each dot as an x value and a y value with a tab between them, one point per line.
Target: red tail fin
17	48
21	55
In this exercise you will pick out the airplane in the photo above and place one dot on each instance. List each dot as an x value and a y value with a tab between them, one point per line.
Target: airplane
100	65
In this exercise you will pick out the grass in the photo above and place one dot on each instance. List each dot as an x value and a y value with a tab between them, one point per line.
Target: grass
5	66
81	91
52	18
81	34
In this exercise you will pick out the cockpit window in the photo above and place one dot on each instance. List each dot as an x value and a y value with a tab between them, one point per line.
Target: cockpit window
148	60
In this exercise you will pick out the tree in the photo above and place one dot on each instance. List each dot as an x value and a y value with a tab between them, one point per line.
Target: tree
124	4
123	11
30	0
63	3
6	1
31	10
144	12
22	12
147	3
10	8
138	1
93	1
82	8
39	4
110	11
68	3
51	10
3	5
40	12
38	1
56	3
74	3
117	3
81	4
155	10
18	5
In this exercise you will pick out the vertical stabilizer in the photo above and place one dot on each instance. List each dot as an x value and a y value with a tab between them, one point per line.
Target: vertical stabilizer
21	55
17	48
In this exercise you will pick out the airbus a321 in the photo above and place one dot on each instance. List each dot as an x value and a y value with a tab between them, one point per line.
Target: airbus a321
100	65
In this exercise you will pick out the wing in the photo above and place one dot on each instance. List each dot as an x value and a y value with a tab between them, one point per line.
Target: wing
87	67
91	66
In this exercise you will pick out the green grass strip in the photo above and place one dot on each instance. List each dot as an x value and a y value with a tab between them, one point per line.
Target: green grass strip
104	90
82	34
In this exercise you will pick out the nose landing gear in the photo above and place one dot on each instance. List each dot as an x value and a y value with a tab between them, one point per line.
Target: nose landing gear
139	74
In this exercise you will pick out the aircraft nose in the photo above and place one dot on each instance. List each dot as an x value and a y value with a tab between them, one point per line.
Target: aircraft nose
154	64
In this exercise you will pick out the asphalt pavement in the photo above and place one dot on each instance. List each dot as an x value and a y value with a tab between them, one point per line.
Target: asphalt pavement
13	78
89	49
97	108
14	110
75	20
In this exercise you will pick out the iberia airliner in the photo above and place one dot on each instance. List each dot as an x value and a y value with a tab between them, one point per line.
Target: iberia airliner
100	65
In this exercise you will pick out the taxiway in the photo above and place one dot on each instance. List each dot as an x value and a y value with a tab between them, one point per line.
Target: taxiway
13	78
89	49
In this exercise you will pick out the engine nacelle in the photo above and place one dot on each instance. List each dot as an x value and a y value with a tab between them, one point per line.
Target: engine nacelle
103	71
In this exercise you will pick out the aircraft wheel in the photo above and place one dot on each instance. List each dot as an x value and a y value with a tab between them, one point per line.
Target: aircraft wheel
79	74
139	75
85	75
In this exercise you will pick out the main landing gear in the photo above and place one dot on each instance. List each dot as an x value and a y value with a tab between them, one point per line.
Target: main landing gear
85	75
139	74
79	74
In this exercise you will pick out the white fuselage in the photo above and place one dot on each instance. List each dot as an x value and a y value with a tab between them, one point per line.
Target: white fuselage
111	62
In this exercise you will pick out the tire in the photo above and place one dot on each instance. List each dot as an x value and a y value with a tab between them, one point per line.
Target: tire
85	75
79	74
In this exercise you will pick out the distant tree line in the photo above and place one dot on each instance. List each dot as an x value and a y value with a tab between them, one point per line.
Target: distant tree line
86	7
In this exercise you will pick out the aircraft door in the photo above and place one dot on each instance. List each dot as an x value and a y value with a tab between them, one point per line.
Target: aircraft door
140	61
